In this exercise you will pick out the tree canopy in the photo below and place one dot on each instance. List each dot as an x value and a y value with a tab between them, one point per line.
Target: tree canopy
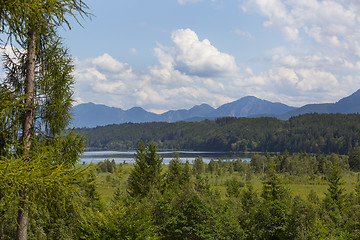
312	133
39	86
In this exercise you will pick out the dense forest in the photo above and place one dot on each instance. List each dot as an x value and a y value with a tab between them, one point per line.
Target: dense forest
45	194
327	133
287	196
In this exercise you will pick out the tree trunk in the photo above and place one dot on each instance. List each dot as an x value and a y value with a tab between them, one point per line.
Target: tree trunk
22	220
29	94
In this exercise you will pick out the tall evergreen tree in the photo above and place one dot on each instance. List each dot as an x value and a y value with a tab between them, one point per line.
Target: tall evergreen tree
335	192
147	170
273	189
40	79
335	195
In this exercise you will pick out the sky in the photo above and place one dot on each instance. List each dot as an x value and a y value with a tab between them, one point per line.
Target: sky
173	54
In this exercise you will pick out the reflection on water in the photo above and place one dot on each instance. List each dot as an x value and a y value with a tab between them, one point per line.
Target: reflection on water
128	157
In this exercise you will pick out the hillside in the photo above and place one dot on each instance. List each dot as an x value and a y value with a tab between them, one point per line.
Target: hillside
326	133
350	104
92	115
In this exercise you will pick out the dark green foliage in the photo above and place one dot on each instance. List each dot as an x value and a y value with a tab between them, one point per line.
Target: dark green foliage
284	162
9	120
119	222
302	219
198	166
312	133
258	163
213	166
37	154
177	175
273	189
271	221
249	198
233	187
352	221
195	221
175	204
354	159
106	166
147	171
335	197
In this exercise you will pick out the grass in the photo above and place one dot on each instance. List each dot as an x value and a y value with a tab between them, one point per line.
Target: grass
301	186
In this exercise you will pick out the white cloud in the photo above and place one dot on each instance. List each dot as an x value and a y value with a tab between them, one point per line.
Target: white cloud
303	80
109	64
318	61
278	16
192	71
194	57
244	34
329	23
323	50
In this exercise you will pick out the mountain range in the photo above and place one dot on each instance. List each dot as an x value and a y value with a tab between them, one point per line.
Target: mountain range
92	115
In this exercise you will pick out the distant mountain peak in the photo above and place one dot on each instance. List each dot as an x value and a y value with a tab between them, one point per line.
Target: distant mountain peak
202	107
136	109
349	104
92	115
251	106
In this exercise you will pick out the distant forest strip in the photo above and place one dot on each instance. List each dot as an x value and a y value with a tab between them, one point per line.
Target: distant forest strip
312	133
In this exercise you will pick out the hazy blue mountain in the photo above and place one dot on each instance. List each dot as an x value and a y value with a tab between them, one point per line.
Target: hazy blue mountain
92	115
138	114
250	106
198	111
309	108
350	104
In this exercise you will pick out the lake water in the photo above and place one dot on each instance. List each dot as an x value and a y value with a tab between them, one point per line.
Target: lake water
128	157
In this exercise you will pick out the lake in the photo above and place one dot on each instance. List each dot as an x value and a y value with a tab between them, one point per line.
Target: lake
128	157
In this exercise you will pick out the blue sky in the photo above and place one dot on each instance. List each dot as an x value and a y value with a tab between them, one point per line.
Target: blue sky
173	54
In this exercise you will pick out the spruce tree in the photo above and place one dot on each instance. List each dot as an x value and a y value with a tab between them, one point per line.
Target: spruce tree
147	170
335	195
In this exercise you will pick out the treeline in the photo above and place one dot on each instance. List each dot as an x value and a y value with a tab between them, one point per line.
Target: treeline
183	201
201	201
327	133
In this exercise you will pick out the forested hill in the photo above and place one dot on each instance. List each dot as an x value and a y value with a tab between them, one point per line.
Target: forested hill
92	115
327	133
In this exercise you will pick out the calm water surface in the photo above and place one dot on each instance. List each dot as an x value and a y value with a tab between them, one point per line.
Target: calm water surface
128	157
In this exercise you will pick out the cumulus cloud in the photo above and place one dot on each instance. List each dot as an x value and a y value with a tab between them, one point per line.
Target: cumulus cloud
330	23
303	80
277	14
193	71
102	78
324	49
194	57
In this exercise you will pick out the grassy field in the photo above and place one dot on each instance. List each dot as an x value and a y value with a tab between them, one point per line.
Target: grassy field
301	186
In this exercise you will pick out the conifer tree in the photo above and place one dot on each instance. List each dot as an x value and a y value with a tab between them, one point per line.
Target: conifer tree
273	189
147	170
39	80
335	196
